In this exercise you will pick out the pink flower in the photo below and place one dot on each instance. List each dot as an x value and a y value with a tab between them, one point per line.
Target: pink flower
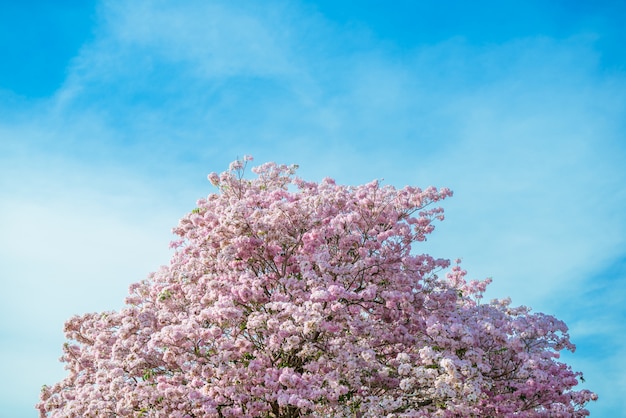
289	297
214	179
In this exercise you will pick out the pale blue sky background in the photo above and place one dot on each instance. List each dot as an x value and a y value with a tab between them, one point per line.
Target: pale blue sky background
112	113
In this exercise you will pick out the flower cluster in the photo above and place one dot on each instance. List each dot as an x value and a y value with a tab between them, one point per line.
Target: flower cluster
287	298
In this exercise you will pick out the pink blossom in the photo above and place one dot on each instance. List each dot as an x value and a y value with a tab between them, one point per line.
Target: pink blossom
290	298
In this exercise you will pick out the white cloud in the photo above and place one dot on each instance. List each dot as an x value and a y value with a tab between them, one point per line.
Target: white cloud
68	246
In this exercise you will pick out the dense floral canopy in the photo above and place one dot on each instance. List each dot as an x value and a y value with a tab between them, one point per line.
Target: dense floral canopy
288	298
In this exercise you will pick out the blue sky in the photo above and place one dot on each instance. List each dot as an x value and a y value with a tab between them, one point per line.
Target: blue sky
112	113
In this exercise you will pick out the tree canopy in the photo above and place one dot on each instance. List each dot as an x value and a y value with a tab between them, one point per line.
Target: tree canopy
288	298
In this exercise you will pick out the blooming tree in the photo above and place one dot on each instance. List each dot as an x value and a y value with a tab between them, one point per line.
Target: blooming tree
287	298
